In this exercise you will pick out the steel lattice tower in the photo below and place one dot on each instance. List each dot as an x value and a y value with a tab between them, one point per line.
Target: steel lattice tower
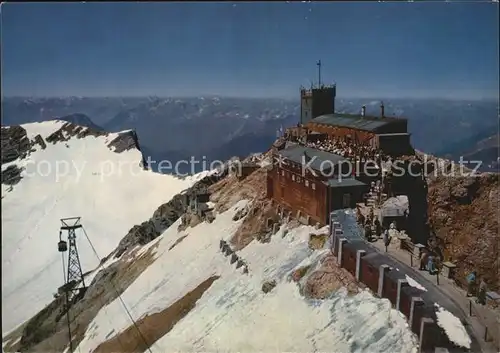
74	282
74	272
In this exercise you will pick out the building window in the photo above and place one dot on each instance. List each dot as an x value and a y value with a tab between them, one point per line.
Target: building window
298	179
293	177
282	173
307	183
313	186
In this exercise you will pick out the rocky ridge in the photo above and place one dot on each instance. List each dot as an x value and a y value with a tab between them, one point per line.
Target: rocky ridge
16	145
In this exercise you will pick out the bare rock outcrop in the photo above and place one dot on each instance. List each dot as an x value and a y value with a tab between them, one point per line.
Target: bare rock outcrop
328	278
317	241
15	143
69	130
38	140
268	286
299	273
464	214
11	175
164	216
125	141
190	220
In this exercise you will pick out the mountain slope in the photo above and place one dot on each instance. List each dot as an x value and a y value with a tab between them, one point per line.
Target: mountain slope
71	171
182	292
234	314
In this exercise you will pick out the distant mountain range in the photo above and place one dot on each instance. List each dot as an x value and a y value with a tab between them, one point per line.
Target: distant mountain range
482	146
218	128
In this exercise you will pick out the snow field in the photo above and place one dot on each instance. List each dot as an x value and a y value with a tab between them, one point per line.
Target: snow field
31	212
235	315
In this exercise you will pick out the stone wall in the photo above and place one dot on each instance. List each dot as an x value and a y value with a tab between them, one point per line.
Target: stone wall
370	268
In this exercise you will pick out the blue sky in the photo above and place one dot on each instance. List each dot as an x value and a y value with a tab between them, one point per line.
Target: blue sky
250	49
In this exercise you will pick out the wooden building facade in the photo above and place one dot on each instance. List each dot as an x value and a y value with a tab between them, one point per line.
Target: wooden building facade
312	183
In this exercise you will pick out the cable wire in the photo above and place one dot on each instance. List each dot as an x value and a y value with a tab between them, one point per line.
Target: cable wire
119	296
64	267
67	305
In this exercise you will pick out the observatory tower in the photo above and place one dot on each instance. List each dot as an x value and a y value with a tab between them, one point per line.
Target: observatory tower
318	100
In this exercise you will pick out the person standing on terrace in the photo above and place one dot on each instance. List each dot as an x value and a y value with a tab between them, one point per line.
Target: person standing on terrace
471	282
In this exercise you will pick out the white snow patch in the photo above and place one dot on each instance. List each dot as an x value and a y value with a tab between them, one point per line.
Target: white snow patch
44	129
415	284
110	191
453	327
91	275
234	314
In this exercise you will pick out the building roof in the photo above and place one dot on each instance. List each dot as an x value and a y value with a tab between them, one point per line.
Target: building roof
354	121
312	157
344	182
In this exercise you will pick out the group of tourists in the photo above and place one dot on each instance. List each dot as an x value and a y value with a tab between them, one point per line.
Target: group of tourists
432	264
344	147
347	149
373	228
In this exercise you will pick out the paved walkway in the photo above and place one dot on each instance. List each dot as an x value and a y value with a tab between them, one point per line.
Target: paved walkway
482	317
446	294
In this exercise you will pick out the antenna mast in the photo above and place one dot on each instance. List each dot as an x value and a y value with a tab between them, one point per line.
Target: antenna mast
319	72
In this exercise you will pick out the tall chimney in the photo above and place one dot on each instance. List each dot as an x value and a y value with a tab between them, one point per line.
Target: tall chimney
363	110
382	113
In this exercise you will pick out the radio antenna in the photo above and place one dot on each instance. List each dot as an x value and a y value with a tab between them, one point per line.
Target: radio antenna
319	72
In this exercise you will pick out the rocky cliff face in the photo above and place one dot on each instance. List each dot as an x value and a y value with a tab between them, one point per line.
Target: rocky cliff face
164	216
16	145
464	214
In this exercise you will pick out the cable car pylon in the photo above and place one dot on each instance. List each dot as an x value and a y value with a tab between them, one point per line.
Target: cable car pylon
74	285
